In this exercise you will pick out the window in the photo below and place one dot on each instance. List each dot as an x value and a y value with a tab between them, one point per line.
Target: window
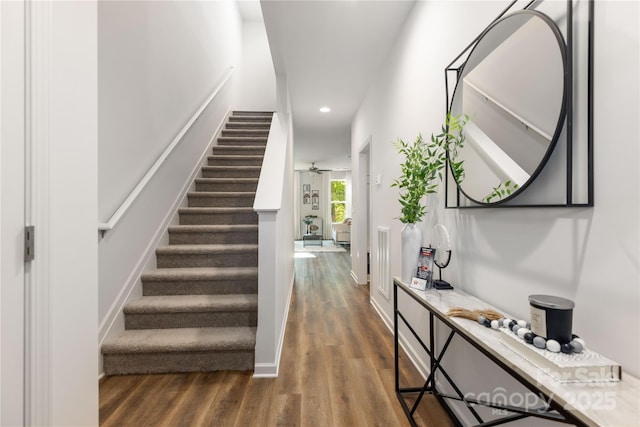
338	200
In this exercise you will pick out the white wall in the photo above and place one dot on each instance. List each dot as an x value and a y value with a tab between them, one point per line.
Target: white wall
257	92
503	255
158	62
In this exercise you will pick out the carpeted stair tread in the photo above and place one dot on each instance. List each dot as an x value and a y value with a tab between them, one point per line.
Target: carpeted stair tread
239	150
243	147
247	124
205	249
239	167
224	209
252	118
237	156
200	273
192	303
204	228
265	114
245	132
215	194
227	180
242	140
182	340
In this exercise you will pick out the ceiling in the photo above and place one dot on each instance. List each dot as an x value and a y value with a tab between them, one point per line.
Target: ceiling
330	51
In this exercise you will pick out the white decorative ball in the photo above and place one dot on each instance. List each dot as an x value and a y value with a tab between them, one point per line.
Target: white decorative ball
522	331
494	324
553	345
522	323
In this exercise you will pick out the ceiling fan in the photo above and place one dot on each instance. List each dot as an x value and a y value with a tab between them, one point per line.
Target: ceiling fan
314	169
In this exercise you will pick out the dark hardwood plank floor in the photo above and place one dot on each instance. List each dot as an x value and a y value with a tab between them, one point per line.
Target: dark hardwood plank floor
336	370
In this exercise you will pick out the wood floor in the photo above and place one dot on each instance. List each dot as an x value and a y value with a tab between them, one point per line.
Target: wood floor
336	370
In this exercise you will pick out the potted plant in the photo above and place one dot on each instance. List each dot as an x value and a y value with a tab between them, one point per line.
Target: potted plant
421	173
308	220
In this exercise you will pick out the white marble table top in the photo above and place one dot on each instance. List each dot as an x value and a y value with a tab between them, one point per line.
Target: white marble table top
598	404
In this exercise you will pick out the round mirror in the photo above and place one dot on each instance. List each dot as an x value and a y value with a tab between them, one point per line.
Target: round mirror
512	88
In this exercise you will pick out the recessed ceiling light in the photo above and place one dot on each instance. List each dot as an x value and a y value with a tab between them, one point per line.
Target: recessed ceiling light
325	109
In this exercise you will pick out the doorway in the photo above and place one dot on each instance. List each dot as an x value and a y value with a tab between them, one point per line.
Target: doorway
361	246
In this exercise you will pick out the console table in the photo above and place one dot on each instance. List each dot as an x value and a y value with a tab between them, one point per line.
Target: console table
311	238
583	404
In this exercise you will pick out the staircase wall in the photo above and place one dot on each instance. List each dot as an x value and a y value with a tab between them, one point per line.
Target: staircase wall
158	62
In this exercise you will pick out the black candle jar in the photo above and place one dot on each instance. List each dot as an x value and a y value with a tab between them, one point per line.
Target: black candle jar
551	317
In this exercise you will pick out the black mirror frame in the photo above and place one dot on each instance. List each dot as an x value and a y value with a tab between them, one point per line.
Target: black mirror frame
453	72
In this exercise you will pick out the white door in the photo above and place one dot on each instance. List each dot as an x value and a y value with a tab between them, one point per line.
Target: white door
12	214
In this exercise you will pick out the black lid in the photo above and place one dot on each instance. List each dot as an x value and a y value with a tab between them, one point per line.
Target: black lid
549	301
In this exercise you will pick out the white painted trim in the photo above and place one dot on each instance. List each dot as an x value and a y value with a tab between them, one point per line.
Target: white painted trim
386	319
494	157
116	309
272	172
271	370
119	213
38	33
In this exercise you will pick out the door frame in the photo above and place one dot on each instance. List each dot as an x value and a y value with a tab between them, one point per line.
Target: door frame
12	213
362	236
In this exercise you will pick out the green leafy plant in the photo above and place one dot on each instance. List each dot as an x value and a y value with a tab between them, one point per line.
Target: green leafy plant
308	219
423	166
503	190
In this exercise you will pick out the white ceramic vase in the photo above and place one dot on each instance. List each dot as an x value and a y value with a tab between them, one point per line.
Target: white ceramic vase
411	240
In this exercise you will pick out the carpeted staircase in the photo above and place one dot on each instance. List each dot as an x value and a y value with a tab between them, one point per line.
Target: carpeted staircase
199	308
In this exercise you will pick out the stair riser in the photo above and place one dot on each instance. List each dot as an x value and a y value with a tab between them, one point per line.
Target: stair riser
245	119
237	186
237	259
234	161
220	218
200	287
213	238
265	114
220	202
242	141
159	363
230	173
234	150
248	124
244	132
216	319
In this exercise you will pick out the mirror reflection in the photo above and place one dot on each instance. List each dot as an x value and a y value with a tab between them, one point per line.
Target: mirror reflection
512	87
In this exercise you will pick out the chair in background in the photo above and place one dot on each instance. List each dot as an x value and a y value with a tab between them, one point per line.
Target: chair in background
341	232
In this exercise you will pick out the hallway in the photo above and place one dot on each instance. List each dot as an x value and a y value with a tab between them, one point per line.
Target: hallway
336	370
